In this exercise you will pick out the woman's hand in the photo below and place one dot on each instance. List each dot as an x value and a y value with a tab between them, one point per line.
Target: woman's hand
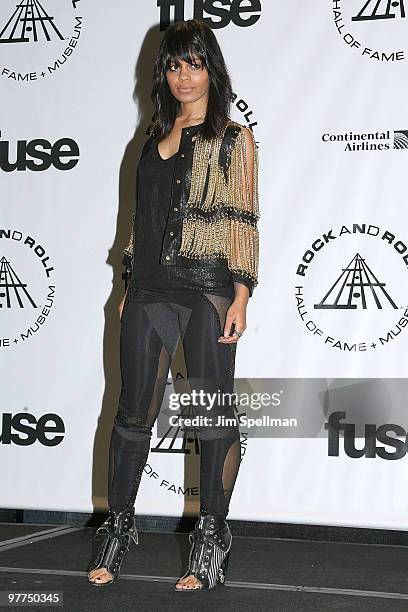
121	305
236	315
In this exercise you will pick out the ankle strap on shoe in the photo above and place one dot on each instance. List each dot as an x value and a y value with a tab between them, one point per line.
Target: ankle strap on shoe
211	523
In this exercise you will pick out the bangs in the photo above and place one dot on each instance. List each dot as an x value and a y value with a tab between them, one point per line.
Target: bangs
183	46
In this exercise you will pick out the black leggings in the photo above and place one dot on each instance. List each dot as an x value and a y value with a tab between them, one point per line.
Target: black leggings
153	322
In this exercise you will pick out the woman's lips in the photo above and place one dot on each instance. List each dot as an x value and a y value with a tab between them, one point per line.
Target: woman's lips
185	89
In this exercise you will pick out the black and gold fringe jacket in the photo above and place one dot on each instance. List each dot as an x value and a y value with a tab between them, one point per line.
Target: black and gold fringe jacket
214	207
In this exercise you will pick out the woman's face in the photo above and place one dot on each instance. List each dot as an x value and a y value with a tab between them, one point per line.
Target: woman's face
188	82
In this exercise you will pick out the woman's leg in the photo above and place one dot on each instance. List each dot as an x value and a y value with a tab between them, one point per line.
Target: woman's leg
211	366
145	354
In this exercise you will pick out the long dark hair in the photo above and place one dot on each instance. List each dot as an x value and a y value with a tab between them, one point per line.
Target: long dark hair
181	40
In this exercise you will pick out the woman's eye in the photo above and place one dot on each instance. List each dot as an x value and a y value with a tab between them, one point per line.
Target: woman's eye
173	67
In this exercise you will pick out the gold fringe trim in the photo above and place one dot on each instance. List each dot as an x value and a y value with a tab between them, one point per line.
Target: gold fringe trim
131	245
244	249
205	161
236	240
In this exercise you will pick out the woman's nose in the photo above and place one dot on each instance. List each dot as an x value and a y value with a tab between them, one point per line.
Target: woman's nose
184	74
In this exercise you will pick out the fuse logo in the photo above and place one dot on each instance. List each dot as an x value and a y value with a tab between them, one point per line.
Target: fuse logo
243	13
373	434
23	429
38	155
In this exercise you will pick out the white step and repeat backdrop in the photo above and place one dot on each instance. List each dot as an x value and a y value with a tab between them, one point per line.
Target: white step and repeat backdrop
323	86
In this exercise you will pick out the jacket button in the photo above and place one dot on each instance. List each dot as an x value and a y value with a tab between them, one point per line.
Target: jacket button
182	155
175	208
171	233
168	257
178	181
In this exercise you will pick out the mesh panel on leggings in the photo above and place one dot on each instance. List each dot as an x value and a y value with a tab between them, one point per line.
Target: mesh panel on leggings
220	455
153	323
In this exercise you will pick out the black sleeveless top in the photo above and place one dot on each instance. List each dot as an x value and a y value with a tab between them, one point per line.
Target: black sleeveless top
154	190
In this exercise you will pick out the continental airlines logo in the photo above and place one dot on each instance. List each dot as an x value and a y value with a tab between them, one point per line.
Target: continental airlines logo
37	38
376	29
386	140
401	139
351	289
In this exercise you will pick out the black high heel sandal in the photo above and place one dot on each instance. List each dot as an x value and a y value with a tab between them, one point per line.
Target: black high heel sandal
119	530
209	554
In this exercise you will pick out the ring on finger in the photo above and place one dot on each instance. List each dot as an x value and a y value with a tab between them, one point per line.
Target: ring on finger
237	333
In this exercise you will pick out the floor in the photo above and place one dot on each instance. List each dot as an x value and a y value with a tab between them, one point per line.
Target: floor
263	574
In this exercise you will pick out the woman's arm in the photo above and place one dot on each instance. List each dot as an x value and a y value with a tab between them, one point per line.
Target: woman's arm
128	251
127	262
245	251
244	256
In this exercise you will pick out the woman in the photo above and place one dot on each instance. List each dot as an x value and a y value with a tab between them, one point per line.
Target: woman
193	262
